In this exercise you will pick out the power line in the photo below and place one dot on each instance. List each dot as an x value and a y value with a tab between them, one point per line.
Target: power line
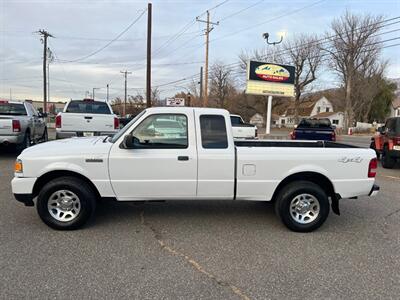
240	11
109	43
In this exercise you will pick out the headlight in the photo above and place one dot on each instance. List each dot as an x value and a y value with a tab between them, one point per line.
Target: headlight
18	166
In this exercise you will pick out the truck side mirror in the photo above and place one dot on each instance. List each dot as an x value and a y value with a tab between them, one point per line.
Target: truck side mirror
381	129
130	142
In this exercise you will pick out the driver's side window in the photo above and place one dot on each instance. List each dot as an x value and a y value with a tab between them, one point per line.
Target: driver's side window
162	131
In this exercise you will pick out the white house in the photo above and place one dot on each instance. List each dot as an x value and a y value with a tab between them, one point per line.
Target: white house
395	108
321	108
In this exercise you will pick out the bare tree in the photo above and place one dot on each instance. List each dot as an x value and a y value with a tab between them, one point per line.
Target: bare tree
304	53
221	85
354	51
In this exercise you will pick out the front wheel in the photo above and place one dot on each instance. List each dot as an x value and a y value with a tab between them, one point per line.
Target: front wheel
303	206
66	203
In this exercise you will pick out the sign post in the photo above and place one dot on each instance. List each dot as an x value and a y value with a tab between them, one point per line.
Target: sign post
270	79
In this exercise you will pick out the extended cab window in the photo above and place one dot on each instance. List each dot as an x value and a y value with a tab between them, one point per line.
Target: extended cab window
213	132
236	121
163	131
88	107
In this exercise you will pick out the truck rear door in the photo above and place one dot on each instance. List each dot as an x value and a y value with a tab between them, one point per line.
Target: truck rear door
87	116
215	154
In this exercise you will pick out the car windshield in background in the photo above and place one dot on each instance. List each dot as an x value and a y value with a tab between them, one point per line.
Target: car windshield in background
88	107
315	123
13	109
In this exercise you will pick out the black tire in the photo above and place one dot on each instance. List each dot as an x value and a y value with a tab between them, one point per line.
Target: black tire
45	136
372	146
81	189
291	192
26	143
387	161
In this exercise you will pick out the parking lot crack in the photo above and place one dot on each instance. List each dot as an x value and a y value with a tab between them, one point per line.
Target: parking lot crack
196	265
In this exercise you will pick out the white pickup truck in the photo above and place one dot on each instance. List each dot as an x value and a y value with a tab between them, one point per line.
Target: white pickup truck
241	129
172	153
86	118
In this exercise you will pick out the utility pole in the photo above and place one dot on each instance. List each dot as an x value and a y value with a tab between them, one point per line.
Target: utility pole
108	92
201	84
126	88
269	104
44	35
207	33
50	60
148	70
93	92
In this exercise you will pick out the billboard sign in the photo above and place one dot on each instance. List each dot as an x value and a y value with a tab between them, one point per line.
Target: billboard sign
175	102
270	79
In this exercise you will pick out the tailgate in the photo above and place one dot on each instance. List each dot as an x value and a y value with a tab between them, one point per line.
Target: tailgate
314	134
87	122
5	125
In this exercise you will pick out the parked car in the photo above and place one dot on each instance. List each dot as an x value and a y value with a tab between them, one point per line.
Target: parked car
314	129
386	142
242	130
86	118
202	162
21	124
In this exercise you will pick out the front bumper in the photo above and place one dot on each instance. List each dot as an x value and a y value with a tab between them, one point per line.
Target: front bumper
394	154
374	191
22	189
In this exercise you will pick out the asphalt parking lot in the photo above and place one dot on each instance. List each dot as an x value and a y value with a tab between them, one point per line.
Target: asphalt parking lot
203	250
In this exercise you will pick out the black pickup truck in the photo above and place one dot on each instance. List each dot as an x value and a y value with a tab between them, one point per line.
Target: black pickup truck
314	129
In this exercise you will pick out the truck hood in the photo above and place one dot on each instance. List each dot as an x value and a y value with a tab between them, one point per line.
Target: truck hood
70	147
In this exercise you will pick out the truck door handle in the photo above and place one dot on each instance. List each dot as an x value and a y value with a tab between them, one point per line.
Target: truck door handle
181	158
88	118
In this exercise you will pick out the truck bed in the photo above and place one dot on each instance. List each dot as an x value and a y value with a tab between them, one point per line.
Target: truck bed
289	143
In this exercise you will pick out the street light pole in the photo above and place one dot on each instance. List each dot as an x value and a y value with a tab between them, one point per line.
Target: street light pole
93	91
269	104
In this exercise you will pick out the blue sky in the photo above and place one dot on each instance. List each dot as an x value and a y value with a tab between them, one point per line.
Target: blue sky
81	27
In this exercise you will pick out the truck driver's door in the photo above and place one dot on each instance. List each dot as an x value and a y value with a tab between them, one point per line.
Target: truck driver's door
163	162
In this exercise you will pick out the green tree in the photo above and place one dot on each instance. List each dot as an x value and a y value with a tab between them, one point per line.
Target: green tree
381	102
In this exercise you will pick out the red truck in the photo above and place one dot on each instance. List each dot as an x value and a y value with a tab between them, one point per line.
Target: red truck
386	142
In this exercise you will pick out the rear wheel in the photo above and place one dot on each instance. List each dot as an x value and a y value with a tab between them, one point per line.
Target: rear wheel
26	143
66	203
387	161
303	206
45	136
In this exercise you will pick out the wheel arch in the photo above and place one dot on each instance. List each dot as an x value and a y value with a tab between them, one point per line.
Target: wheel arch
315	177
43	179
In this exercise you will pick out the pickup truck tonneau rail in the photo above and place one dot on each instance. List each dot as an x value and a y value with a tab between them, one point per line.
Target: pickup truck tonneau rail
171	153
302	144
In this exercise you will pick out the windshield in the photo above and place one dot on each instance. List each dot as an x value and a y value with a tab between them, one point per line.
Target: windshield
88	107
126	127
14	109
315	123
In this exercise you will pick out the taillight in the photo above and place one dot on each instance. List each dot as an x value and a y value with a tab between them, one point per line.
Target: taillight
333	136
293	135
116	123
58	121
373	165
396	141
16	126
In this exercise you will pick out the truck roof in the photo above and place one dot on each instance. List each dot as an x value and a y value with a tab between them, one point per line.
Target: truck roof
163	109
